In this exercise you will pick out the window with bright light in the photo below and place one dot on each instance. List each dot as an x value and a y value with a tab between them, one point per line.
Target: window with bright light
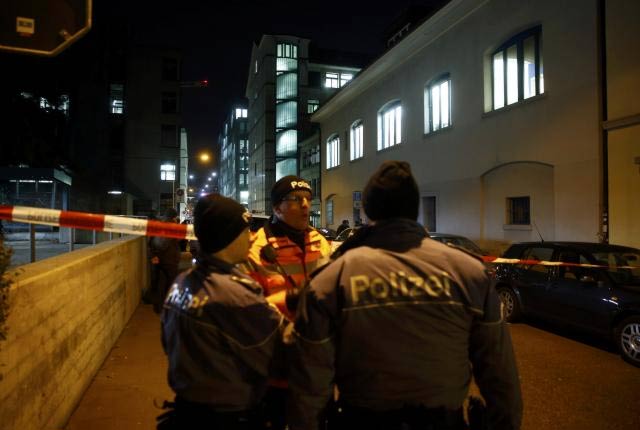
312	105
333	151
357	143
344	78
437	104
517	69
329	205
116	93
332	80
390	125
287	50
167	172
241	113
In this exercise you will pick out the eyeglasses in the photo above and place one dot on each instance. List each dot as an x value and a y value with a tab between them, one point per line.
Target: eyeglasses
296	199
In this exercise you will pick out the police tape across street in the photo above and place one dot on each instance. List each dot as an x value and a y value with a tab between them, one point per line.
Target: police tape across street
143	227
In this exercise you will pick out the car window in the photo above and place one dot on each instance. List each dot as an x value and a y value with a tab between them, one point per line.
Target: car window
539	254
622	267
572	271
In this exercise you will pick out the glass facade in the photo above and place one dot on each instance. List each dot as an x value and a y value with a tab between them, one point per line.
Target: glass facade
286	109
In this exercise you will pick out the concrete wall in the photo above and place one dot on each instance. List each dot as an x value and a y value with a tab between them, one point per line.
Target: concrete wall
66	314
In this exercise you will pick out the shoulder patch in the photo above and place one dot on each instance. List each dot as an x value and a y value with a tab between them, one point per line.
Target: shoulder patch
466	251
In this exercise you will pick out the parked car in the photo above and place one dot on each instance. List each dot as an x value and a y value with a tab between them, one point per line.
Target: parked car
258	221
344	235
457	240
593	287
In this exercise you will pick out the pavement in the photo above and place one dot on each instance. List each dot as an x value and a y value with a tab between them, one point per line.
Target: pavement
131	379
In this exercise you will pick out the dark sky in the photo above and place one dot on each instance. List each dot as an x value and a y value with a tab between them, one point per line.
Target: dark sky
216	40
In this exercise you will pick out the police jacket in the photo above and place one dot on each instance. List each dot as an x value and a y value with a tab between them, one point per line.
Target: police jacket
297	261
219	334
400	319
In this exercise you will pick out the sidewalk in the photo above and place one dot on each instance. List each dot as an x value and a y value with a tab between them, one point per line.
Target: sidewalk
134	374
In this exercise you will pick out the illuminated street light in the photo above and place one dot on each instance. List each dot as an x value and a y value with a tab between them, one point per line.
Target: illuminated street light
208	179
190	176
213	174
204	157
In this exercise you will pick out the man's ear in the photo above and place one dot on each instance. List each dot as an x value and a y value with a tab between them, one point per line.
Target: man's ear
276	209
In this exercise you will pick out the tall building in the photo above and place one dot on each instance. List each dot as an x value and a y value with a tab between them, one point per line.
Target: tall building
155	143
288	80
106	112
234	155
510	139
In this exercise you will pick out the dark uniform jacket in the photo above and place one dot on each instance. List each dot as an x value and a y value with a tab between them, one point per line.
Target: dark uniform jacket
219	334
400	319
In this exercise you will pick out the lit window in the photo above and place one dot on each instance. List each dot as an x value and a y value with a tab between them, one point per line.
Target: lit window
44	103
117	99
244	197
333	151
287	50
344	78
312	105
357	144
517	69
437	101
168	172
63	105
390	126
518	210
329	211
331	80
241	113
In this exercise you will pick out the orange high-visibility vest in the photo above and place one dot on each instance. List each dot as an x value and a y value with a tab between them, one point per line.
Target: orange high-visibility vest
298	264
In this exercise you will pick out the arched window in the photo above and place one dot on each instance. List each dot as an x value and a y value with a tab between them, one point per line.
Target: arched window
357	143
437	104
333	151
517	71
390	125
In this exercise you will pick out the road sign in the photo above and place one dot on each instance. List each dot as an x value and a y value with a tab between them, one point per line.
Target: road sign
43	27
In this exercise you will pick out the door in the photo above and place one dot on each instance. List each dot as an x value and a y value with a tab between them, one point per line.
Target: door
532	280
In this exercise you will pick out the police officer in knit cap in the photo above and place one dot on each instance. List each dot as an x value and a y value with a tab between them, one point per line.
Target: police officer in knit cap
400	323
165	259
218	331
282	256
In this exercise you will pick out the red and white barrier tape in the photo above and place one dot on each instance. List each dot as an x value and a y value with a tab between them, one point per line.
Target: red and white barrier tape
97	222
143	227
499	260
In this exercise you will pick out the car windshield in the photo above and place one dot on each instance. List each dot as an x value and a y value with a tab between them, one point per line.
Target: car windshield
623	267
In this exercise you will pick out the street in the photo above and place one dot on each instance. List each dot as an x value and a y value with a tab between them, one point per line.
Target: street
573	384
567	384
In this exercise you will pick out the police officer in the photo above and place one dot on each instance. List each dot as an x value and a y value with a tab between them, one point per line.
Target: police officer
399	322
218	331
283	254
165	259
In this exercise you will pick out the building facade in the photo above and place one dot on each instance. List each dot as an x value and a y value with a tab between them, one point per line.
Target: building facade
154	141
285	85
503	128
234	156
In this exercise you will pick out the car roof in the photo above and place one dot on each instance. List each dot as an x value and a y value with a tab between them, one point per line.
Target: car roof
585	246
436	234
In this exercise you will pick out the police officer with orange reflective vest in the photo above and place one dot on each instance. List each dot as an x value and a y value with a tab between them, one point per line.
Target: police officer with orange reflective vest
283	255
400	323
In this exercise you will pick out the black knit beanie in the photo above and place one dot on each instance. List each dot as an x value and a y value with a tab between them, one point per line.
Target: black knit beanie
285	185
391	192
217	221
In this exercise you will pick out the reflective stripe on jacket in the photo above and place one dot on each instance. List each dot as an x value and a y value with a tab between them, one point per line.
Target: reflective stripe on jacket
297	263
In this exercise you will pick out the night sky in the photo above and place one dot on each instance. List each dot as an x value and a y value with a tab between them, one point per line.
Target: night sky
216	40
